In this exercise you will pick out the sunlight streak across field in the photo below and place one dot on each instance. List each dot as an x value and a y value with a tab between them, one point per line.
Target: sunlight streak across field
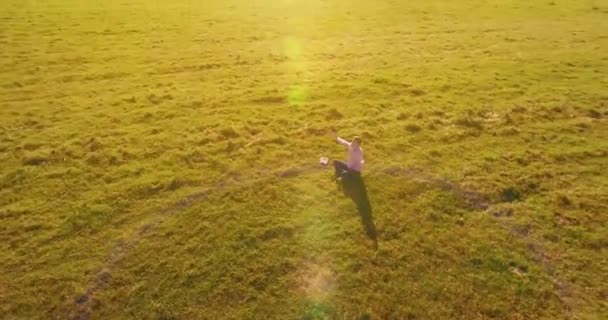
297	92
297	47
316	276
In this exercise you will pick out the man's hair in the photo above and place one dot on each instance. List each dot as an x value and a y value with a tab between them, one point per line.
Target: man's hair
357	140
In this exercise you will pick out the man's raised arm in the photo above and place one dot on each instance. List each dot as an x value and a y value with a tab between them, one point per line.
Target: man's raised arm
342	141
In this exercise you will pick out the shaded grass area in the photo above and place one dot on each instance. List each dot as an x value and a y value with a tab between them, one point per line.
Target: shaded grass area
137	139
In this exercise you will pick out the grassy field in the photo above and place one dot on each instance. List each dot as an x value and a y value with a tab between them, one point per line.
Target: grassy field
159	159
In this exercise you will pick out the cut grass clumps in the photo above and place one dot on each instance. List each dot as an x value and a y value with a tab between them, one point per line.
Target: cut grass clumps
88	218
35	159
233	146
595	242
193	156
501	211
92	145
333	114
13	178
176	183
510	194
270	100
403	116
595	114
273	139
434	153
469	122
93	159
114	158
415	92
228	133
31	145
563	200
156	99
413	128
148	186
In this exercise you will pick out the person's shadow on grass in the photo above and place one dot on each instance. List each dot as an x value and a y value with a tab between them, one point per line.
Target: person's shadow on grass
354	188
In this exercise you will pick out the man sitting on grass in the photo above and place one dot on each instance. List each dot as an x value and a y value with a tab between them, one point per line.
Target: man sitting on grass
347	172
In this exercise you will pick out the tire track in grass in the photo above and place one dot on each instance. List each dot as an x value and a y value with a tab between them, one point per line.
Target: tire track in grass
479	201
476	200
312	281
83	303
563	288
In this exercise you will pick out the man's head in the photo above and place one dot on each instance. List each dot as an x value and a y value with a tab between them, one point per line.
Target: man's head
356	141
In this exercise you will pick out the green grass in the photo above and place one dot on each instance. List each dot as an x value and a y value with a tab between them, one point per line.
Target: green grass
158	159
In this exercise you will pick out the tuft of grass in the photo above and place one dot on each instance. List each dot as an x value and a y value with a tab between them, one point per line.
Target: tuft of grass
510	194
13	178
229	133
413	127
595	114
564	200
402	116
469	123
87	218
416	92
32	145
333	114
35	158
